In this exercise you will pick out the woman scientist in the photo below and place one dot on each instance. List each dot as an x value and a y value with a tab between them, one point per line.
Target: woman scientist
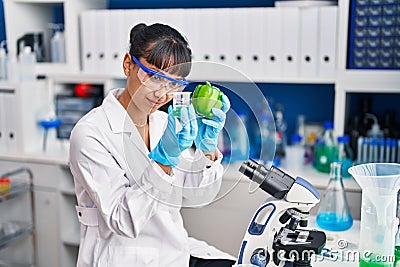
132	167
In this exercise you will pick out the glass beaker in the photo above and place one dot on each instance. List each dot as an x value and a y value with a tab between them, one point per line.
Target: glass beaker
379	183
334	213
181	99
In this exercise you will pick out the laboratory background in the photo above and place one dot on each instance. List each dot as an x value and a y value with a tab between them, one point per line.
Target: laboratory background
328	70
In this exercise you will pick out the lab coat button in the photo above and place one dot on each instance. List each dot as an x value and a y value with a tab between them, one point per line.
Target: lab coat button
80	214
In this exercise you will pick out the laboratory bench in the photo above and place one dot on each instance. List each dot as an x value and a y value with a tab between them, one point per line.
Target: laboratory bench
234	206
239	198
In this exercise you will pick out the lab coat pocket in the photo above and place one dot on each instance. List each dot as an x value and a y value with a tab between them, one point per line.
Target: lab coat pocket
132	256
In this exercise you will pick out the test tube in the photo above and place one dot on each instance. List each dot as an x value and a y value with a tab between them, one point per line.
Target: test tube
393	150
370	150
374	150
387	145
365	150
382	150
398	151
359	149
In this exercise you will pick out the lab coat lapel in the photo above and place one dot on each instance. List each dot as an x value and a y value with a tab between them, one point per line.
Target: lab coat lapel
157	123
120	122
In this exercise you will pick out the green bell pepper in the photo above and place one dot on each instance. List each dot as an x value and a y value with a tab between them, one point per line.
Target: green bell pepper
205	97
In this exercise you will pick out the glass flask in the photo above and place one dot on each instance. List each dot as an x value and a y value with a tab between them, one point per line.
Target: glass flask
334	213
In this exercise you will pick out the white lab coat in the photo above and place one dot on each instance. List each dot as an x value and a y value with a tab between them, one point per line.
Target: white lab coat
128	207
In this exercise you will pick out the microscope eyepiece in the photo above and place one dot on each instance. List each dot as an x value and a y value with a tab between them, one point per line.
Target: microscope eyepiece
273	181
248	167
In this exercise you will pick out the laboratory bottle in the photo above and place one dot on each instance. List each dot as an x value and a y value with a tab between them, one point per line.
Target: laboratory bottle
3	61
27	60
300	127
57	45
334	213
267	133
325	149
345	155
280	139
309	149
295	153
375	131
239	139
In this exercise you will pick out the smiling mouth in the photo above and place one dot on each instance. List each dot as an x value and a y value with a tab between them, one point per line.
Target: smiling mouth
154	103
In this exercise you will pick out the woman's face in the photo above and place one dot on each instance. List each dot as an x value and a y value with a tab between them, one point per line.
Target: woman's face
148	93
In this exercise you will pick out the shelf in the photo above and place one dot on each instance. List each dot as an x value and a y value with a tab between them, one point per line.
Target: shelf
13	230
68	192
369	81
14	264
55	159
37	14
40	1
17	188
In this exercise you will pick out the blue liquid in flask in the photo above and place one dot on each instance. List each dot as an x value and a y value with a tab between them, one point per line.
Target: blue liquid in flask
334	213
334	222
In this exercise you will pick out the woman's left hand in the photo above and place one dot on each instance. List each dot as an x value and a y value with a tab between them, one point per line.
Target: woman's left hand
209	129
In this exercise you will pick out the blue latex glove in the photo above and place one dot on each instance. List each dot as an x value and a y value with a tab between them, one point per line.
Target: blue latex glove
171	144
209	129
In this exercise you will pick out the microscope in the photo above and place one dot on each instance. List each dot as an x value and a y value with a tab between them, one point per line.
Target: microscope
276	235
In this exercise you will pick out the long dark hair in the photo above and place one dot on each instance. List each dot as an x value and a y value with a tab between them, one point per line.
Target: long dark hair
161	46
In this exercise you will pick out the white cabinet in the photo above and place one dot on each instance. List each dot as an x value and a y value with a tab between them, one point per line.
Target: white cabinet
56	223
47	229
33	16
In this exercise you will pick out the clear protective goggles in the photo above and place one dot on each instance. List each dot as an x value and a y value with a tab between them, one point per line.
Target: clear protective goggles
157	80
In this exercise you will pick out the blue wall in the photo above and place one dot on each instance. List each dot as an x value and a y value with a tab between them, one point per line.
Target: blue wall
115	4
2	23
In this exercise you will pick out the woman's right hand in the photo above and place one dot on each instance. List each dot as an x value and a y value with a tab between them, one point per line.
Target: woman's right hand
171	144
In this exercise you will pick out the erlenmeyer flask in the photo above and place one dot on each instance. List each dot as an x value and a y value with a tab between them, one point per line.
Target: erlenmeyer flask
334	213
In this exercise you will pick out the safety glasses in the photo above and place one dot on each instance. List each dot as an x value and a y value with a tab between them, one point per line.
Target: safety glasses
157	80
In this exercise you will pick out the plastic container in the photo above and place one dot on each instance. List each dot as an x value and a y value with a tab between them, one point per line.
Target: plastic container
27	60
295	153
57	45
4	184
239	138
3	61
266	128
280	139
326	149
375	131
345	155
334	213
300	128
380	183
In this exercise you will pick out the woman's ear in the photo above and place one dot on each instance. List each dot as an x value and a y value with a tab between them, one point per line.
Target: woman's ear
127	64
